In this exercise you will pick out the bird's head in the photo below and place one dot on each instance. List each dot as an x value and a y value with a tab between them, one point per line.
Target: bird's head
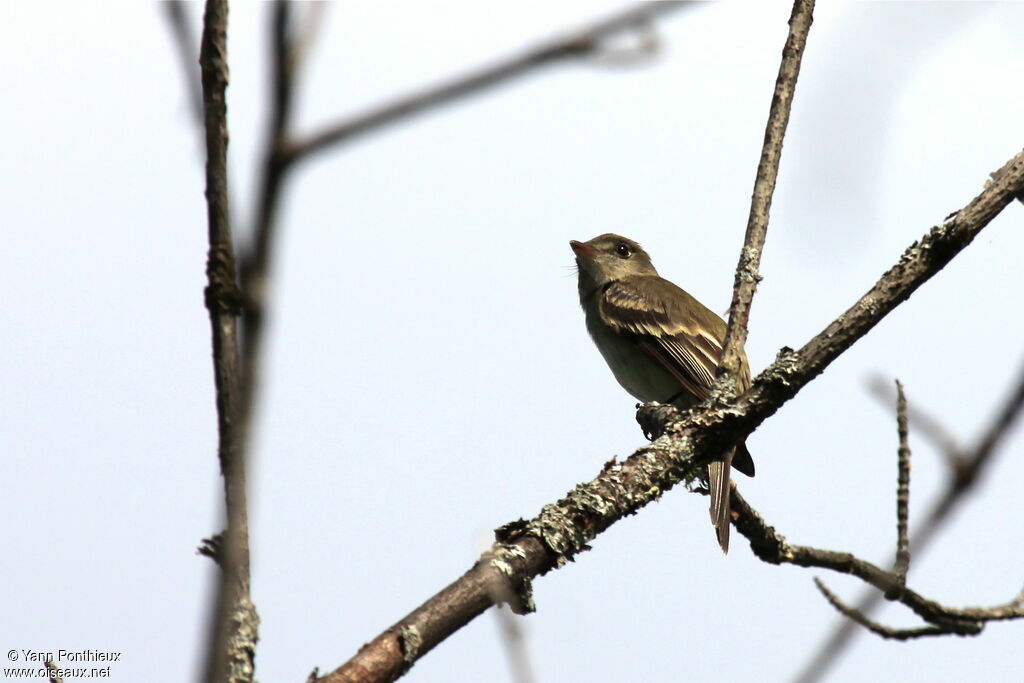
608	258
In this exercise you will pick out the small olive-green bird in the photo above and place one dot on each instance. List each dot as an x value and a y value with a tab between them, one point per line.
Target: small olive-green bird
660	343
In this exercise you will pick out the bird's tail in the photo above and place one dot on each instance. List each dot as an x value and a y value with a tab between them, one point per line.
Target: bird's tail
718	486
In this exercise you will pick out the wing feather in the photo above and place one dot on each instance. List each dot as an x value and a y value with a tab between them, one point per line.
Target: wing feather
670	325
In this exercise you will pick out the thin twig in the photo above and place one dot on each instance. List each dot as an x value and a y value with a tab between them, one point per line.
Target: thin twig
887	632
747	275
924	424
963	473
770	546
581	42
186	45
685	446
231	656
902	489
1014	609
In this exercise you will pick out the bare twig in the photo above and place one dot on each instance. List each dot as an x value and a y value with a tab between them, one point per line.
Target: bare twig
747	275
858	617
563	529
1014	609
232	650
924	424
902	489
581	42
963	474
770	546
185	44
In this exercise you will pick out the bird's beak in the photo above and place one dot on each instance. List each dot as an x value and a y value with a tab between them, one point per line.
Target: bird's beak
582	250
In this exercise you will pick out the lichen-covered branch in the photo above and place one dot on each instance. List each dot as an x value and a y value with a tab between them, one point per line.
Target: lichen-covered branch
747	275
232	650
684	443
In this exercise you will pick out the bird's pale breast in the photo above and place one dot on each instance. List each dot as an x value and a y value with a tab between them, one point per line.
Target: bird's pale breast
638	373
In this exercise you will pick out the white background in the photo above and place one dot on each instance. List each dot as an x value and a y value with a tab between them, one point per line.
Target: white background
428	375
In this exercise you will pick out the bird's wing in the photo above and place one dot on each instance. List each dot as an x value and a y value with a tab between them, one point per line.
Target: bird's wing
662	319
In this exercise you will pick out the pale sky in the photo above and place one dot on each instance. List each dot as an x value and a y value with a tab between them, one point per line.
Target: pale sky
428	375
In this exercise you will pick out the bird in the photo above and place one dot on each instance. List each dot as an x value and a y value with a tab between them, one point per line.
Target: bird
660	343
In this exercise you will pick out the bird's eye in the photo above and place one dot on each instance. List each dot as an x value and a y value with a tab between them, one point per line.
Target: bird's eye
622	249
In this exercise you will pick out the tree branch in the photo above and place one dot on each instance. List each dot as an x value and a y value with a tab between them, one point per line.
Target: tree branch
964	472
1014	609
747	275
232	650
926	425
902	489
578	43
256	261
772	547
563	529
858	617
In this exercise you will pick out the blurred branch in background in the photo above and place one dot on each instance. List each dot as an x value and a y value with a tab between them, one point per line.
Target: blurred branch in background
283	148
964	470
514	639
185	44
588	41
